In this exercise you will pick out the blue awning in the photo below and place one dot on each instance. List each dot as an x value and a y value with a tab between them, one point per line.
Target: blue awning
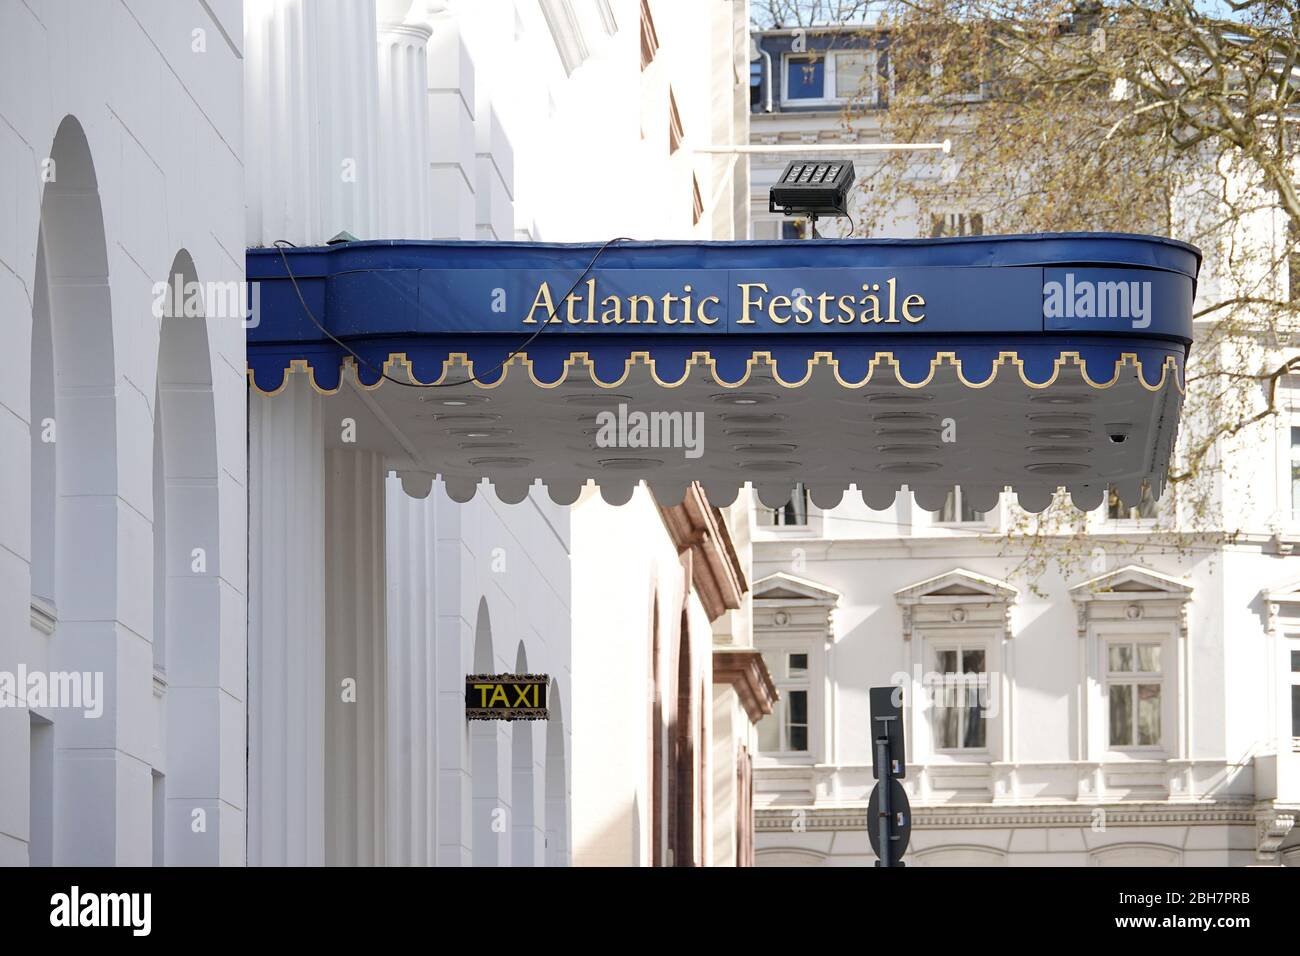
863	355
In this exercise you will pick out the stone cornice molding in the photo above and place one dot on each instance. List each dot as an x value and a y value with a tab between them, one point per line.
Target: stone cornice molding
820	548
698	528
745	671
415	32
979	816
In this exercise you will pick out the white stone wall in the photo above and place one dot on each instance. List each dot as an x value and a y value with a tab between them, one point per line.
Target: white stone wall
483	586
505	120
612	119
1047	748
621	593
139	107
1208	799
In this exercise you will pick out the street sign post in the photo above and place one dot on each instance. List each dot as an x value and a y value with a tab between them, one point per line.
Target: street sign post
893	822
889	813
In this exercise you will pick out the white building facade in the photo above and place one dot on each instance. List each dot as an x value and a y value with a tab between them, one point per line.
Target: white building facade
673	686
273	629
470	116
667	685
1134	706
122	560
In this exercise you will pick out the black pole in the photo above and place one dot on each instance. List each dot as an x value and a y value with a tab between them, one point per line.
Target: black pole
883	813
890	829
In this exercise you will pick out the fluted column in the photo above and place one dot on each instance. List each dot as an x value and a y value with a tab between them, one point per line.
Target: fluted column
311	85
412	682
286	647
403	122
355	660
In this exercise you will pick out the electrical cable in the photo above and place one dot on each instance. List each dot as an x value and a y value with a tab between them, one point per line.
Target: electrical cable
281	244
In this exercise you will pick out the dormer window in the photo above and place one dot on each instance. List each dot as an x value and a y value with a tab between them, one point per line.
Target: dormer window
831	77
805	78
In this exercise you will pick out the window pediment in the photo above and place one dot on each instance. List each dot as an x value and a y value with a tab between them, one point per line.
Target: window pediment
1281	601
958	598
1131	593
1285	594
785	601
1133	581
787	587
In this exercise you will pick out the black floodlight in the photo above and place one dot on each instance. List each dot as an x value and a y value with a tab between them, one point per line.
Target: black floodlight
813	189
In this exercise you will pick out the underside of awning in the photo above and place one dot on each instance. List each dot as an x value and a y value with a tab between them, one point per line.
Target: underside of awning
1028	362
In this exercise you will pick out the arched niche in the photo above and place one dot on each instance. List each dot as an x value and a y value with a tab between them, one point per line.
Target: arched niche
76	515
522	783
73	392
487	826
186	579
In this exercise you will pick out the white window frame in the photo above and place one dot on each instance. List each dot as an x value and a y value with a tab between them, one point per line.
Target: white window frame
959	522
1131	519
1292	646
793	615
960	642
781	648
927	641
936	72
769	514
934	617
1293	451
828	77
1108	609
759	216
1101	636
1290	418
785	684
1131	679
